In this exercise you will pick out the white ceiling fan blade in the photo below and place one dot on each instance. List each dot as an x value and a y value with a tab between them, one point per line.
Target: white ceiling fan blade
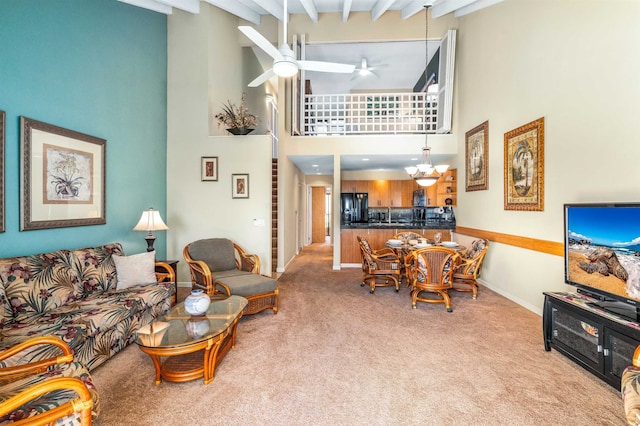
262	78
260	41
326	67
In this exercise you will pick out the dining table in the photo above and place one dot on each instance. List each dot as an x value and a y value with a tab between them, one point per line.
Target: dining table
405	248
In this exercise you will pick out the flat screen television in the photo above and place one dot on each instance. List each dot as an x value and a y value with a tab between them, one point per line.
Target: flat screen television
602	254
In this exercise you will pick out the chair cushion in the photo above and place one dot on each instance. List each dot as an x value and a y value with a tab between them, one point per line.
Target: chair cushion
249	284
217	253
137	269
630	389
52	399
38	283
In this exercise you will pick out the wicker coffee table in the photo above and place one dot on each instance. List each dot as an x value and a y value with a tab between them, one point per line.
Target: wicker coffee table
192	347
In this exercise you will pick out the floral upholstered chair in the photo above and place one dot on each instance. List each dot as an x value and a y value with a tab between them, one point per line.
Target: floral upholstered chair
630	389
468	271
381	267
430	270
54	389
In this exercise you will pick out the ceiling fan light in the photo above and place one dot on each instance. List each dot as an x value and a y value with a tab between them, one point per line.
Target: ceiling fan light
285	68
441	168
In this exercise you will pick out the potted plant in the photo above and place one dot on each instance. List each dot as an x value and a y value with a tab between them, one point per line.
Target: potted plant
237	120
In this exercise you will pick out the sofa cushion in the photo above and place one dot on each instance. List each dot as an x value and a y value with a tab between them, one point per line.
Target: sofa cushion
249	284
6	315
137	269
51	399
18	332
217	253
37	283
95	269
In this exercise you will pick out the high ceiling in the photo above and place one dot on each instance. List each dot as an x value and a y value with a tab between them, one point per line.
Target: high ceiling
253	10
403	61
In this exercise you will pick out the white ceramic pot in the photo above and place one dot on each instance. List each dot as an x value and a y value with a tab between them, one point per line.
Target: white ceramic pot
197	303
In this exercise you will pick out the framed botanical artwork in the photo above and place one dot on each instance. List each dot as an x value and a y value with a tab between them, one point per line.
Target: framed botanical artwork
524	167
477	157
240	185
62	177
2	127
209	168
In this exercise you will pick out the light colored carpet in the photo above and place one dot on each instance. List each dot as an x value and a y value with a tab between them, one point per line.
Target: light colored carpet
336	354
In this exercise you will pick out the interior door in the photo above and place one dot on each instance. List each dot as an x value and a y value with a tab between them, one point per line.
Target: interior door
318	209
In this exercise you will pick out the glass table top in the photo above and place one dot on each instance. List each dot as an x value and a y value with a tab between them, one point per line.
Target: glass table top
178	328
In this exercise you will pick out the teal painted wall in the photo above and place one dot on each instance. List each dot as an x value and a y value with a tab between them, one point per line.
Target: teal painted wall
97	67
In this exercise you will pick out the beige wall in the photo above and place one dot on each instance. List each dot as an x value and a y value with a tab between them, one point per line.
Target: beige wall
205	66
576	65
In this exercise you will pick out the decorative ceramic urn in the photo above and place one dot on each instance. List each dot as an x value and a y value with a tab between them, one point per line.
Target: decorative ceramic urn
197	303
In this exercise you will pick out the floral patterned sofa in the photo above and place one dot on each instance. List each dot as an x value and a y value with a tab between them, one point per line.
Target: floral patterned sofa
73	295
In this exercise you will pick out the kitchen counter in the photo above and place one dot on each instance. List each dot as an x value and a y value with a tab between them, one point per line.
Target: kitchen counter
401	225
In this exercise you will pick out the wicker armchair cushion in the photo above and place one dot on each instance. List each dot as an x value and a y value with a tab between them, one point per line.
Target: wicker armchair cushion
217	253
248	284
476	247
630	389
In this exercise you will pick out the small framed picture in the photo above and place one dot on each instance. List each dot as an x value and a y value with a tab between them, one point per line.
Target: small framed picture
240	185
209	168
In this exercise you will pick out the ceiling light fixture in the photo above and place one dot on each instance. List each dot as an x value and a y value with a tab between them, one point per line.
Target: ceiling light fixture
425	174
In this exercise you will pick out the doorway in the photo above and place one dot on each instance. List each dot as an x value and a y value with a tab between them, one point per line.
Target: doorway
318	214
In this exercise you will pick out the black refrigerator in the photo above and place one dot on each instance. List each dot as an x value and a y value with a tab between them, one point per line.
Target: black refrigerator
354	207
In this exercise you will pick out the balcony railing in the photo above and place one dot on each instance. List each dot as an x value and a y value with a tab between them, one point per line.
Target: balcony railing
370	113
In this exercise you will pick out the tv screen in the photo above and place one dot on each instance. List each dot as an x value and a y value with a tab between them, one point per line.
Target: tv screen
602	249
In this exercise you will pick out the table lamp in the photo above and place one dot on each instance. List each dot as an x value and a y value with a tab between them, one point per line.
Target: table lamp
150	221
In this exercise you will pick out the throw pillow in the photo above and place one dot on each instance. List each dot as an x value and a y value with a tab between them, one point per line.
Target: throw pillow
137	269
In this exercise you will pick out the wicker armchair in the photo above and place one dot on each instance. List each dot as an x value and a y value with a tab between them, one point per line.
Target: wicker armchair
430	270
630	390
220	266
381	267
469	269
53	389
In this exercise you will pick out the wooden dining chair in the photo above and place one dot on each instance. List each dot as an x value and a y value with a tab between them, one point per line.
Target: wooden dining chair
468	270
381	268
430	270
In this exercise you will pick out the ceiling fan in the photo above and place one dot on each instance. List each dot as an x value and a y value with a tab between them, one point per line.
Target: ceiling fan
284	61
365	70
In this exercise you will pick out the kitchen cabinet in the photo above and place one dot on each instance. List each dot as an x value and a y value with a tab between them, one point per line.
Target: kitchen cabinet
395	193
379	193
407	188
354	186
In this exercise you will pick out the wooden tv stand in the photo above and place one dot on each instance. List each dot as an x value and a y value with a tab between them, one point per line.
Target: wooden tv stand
601	342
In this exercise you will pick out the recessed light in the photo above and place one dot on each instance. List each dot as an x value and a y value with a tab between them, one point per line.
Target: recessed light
314	165
365	159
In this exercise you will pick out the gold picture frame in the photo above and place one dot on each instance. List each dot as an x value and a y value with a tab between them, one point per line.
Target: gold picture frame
62	177
524	167
477	157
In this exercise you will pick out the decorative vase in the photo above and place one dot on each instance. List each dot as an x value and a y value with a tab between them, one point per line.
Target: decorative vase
240	131
197	303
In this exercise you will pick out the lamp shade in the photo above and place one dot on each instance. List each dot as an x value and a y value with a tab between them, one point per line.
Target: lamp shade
150	221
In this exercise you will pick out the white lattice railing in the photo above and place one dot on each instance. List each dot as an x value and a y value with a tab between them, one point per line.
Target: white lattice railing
369	113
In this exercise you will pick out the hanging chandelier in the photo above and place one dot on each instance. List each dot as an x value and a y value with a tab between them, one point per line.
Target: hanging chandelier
426	174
